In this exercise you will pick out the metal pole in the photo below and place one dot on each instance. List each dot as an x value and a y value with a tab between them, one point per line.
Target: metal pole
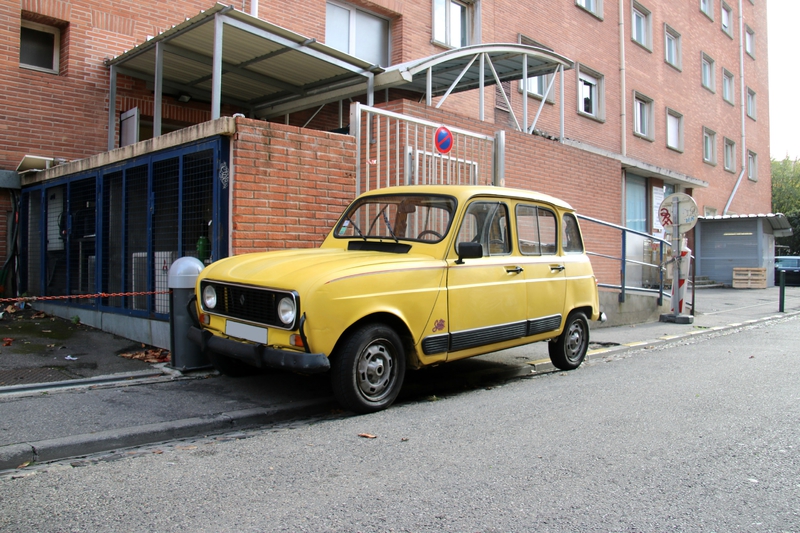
783	291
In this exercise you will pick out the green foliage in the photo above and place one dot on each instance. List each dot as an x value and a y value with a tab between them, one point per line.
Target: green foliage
786	200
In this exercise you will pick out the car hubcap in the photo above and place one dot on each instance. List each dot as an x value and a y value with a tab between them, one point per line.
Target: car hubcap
375	371
575	340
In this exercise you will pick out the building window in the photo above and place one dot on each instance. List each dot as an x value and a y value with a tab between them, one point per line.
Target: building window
708	73
595	7
750	41
709	146
636	202
752	166
726	16
730	155
751	103
672	47
536	86
674	130
591	100
642	116
641	29
727	86
452	22
707	7
39	47
357	33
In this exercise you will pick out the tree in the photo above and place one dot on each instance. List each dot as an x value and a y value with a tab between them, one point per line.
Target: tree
786	200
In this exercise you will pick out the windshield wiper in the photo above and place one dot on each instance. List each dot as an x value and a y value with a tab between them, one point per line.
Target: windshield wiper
355	227
389	226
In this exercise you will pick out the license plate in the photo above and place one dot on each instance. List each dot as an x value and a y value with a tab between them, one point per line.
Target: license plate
246	331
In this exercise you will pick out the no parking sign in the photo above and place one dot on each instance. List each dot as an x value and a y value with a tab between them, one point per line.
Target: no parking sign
443	139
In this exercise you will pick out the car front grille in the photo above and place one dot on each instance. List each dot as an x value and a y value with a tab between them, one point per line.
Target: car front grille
249	304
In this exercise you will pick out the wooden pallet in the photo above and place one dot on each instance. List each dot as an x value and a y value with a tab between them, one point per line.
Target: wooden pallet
749	278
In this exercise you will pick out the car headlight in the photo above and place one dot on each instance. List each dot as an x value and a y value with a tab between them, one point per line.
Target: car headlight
209	297
287	310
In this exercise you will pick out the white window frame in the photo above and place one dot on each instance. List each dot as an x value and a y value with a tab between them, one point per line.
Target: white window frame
645	38
352	36
674	119
729	154
708	78
707	8
752	166
728	86
470	8
543	80
752	103
670	35
750	41
585	74
595	7
723	10
709	146
643	116
56	46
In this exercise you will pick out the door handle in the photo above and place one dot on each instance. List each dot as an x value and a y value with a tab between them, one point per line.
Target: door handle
556	268
514	269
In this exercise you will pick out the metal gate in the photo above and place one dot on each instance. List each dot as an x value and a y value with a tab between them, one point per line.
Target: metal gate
394	149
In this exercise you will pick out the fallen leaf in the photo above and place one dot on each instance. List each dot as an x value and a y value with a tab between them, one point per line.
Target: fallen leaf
11	309
7	341
26	463
367	436
155	355
39	314
192	447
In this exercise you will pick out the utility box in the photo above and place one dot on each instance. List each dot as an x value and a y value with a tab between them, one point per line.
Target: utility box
186	355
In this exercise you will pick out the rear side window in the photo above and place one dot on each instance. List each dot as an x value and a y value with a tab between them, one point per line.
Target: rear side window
537	230
571	238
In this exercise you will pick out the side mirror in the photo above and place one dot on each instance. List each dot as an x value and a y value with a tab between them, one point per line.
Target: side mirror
468	250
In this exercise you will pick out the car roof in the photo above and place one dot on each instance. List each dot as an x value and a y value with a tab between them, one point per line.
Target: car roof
465	192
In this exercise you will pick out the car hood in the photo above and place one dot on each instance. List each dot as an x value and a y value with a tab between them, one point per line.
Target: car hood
297	269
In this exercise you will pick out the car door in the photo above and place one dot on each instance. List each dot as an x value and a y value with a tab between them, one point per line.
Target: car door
486	295
545	276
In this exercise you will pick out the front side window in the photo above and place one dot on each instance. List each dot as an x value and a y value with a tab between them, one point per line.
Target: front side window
751	103
641	26
730	155
357	33
452	22
397	217
672	47
39	47
727	86
674	130
709	146
707	69
536	230
486	223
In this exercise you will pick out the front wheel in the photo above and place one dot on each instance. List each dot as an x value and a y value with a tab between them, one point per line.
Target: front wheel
568	351
368	368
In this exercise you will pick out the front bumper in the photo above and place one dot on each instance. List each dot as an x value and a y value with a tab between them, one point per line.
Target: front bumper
259	355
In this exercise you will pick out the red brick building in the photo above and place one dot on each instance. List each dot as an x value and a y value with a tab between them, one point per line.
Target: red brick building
662	97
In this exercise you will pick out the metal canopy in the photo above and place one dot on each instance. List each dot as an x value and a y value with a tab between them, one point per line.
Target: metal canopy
778	221
225	56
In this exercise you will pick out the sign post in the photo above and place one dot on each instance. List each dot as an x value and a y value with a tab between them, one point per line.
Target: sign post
678	214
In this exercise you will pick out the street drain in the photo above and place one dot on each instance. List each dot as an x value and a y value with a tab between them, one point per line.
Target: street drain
26	376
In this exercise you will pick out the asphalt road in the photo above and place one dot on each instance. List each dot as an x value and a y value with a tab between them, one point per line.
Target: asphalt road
699	435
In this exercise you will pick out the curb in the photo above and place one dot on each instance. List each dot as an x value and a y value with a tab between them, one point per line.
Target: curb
20	455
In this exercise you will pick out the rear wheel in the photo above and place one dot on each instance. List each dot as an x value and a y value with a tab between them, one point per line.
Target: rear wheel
568	351
368	368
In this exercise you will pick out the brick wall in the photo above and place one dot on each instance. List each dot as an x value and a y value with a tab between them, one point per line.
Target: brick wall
289	185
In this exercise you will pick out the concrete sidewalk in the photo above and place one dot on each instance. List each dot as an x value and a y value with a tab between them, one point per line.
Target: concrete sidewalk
134	403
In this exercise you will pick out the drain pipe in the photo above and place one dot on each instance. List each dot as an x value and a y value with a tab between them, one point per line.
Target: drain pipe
743	101
623	99
254	8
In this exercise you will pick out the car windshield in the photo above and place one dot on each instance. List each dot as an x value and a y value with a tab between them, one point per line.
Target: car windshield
399	217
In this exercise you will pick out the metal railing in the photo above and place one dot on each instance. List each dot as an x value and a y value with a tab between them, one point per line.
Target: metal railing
623	287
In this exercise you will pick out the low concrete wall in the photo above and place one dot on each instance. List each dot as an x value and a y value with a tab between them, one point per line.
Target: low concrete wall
636	309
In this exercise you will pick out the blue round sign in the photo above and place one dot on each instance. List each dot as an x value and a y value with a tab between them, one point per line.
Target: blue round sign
443	139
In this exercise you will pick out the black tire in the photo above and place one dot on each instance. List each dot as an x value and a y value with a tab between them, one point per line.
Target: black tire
568	351
368	369
229	366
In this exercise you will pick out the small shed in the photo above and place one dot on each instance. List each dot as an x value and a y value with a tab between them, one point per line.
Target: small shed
725	242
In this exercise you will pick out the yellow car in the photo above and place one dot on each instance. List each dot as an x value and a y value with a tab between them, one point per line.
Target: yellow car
409	277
